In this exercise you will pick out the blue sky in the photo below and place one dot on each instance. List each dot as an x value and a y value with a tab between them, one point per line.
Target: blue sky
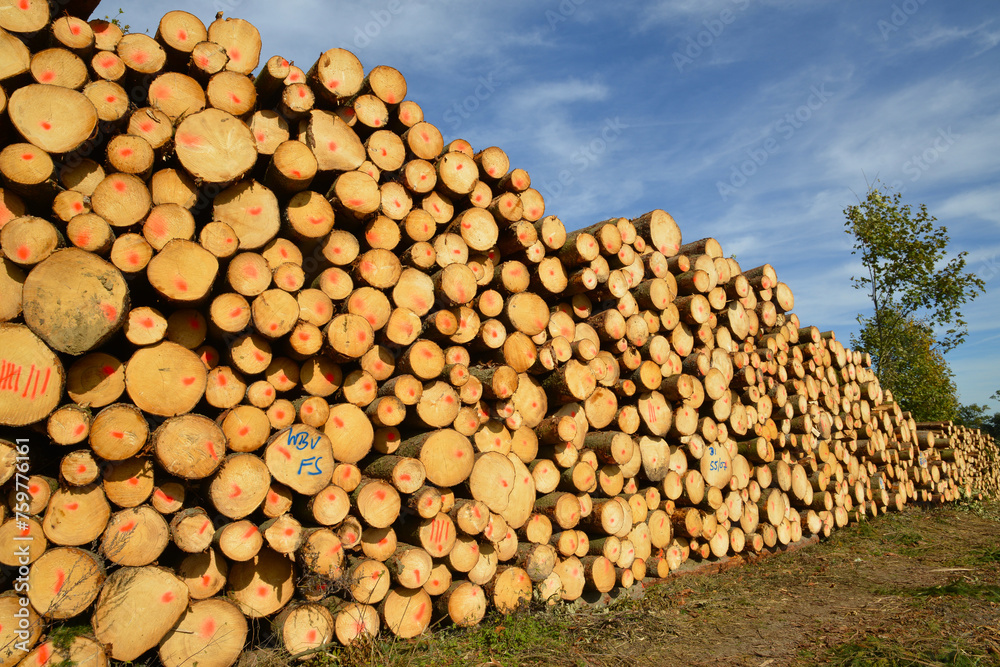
752	121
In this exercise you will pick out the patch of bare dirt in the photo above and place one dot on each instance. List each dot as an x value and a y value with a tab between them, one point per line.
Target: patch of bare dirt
868	581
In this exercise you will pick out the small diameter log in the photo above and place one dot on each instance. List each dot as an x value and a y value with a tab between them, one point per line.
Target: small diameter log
191	530
435	535
537	560
203	573
238	541
78	651
356	622
405	474
29	240
571	576
560	507
322	553
189	446
409	566
470	516
570	383
610	446
368	580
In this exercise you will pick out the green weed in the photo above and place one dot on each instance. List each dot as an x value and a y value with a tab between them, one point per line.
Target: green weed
876	652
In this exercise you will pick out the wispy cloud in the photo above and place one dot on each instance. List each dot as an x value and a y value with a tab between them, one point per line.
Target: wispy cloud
983	203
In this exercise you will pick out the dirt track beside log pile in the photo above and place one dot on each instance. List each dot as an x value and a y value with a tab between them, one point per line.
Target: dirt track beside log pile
921	587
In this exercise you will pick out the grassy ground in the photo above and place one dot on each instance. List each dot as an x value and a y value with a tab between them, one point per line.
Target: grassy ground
914	589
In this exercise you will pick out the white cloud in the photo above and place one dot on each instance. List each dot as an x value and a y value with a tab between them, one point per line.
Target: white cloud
982	203
544	95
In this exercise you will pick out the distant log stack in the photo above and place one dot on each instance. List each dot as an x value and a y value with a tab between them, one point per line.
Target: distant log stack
270	347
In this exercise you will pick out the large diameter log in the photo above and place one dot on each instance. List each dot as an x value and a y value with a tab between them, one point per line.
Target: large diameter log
214	146
31	377
406	612
335	145
76	515
251	210
447	456
263	584
182	271
165	379
135	536
716	466
492	480
16	642
521	502
189	446
136	609
77	651
303	627
211	632
661	230
301	457
63	582
464	603
75	316
54	118
240	485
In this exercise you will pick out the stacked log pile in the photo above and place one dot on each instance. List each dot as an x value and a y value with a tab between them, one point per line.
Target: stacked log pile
271	349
